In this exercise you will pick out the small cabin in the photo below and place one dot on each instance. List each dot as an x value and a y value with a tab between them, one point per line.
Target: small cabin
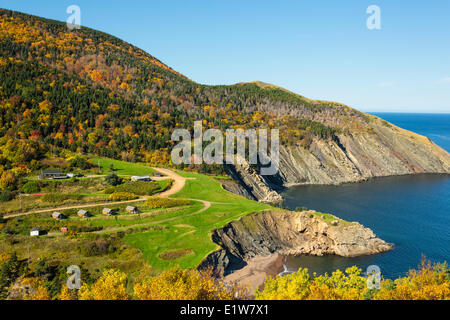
140	178
83	214
36	232
58	216
109	212
51	174
64	229
131	209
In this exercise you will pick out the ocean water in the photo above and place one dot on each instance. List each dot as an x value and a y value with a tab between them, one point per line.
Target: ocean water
412	212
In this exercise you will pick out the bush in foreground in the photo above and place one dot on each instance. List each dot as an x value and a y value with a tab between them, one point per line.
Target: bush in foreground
178	284
427	283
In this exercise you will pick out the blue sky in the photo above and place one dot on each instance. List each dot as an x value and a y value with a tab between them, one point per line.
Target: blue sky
320	49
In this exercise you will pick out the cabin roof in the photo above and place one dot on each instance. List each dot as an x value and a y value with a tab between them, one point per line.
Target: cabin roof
51	171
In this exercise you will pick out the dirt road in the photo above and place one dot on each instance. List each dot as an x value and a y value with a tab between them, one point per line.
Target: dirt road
178	182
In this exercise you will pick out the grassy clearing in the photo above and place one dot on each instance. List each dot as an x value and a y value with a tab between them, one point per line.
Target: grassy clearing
122	167
193	232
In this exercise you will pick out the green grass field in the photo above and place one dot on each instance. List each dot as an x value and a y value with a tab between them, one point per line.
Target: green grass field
122	167
193	231
184	236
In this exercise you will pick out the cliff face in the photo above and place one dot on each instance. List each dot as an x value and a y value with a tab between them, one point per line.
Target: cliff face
289	233
385	150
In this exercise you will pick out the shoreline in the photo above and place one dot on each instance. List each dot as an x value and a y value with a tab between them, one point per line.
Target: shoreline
254	274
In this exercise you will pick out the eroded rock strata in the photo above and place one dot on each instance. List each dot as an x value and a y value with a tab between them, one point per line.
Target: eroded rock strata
289	233
385	150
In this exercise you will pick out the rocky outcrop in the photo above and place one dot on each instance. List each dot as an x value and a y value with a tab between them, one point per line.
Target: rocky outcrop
289	233
254	184
235	187
384	150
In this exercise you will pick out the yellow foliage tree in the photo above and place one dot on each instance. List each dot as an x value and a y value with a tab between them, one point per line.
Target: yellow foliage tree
178	284
428	283
31	289
67	294
110	286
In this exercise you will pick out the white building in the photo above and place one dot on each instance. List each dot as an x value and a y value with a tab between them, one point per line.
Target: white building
140	178
36	232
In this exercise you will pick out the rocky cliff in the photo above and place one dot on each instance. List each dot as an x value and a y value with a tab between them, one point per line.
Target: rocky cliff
381	150
289	233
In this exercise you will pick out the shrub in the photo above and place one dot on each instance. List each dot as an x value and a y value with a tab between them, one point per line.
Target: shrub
80	162
113	179
6	195
156	203
31	187
109	190
99	247
178	284
122	196
110	286
430	282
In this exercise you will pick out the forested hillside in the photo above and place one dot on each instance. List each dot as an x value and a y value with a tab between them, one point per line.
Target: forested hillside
89	92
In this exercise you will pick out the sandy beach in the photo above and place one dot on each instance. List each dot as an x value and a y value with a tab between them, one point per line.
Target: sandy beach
255	272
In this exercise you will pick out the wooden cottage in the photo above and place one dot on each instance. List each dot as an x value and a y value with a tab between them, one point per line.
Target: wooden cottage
83	214
109	212
58	216
131	209
51	174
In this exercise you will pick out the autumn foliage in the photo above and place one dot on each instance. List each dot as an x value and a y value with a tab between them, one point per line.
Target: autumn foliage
178	284
427	283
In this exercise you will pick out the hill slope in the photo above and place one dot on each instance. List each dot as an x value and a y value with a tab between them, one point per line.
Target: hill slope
87	91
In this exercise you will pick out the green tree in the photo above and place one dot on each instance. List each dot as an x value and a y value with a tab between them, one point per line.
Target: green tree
113	179
31	187
10	270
